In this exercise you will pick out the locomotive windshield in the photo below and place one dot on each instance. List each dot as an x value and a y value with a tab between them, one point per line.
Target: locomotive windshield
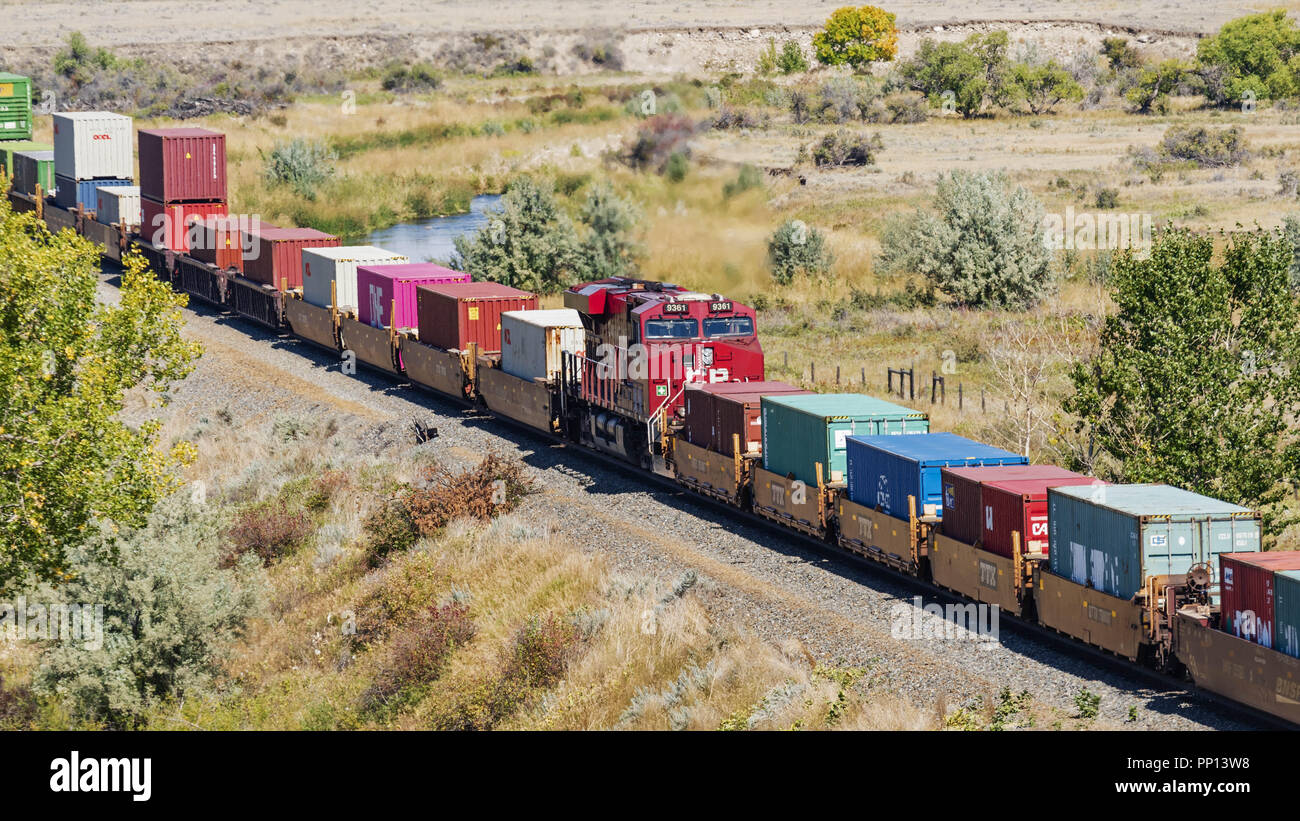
715	327
671	328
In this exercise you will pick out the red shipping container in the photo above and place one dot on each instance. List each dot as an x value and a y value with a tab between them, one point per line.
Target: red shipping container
169	225
219	240
453	316
717	411
1021	505
182	164
1246	592
277	255
380	286
963	509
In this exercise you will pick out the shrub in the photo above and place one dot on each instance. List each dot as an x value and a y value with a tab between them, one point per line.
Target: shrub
268	530
609	249
540	651
857	36
1291	233
1256	55
1106	198
1153	85
790	59
302	164
1119	53
1043	87
603	53
748	179
678	165
529	242
1205	147
495	487
845	99
729	117
907	107
947	72
388	529
418	653
404	79
844	148
658	140
982	245
797	249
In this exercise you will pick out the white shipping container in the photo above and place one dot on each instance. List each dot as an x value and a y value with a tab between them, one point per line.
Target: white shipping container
323	266
117	203
532	341
91	144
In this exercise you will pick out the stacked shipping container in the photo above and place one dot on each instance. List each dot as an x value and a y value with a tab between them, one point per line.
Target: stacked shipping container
452	316
117	205
715	412
965	513
381	288
331	273
92	149
1020	506
276	258
223	240
1247	585
533	343
182	181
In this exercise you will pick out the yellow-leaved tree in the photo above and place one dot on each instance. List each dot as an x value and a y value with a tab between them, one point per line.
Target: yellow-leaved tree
858	36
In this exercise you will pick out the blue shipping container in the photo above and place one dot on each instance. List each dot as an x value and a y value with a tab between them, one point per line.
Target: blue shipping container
885	470
1113	537
73	193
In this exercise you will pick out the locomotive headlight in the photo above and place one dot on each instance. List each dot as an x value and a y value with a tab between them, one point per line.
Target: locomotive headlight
706	357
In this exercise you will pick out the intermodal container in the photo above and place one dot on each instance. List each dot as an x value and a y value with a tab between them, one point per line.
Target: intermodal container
222	240
83	194
963	508
715	412
15	107
93	145
1115	537
168	226
1286	612
885	470
379	286
182	164
276	258
115	204
1247	593
32	168
1020	505
454	315
337	267
800	432
9	149
533	343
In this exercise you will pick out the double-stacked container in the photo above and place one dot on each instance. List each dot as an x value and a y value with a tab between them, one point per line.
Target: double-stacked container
223	240
719	411
118	205
182	181
32	169
15	107
92	149
884	471
1248	593
969	507
9	151
276	255
383	289
329	275
533	343
453	316
1114	538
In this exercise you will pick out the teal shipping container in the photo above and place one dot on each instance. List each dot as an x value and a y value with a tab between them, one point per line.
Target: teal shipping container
1113	537
801	431
1286	612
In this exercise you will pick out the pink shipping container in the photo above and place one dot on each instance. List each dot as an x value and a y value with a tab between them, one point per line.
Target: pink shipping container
277	255
1020	505
378	286
963	509
182	164
716	411
453	316
169	225
1246	592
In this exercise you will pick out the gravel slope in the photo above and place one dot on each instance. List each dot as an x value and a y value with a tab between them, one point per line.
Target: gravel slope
766	582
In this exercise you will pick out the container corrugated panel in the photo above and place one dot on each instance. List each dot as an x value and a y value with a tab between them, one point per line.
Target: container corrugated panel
963	508
182	164
82	194
716	411
15	107
380	287
1246	592
884	471
277	254
222	240
801	431
323	267
1020	506
1286	612
32	168
453	316
93	144
117	204
534	342
169	225
10	148
1115	537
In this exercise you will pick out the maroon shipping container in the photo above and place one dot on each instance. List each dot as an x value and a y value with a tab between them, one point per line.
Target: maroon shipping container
1020	505
963	509
182	164
277	257
218	240
452	316
169	225
714	412
1246	592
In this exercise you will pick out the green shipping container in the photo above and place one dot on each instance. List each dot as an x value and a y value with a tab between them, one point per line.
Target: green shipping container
9	149
1114	537
1286	612
32	168
801	431
15	107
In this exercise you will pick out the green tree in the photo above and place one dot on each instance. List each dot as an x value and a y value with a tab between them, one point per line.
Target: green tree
67	362
528	243
1120	54
1259	53
797	249
1291	232
982	244
857	36
1043	87
609	248
950	73
1153	85
1197	377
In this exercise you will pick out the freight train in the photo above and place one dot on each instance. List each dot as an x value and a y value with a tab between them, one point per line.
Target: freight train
671	382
